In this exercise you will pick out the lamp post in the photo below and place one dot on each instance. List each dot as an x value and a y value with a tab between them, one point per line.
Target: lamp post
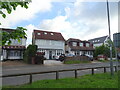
111	62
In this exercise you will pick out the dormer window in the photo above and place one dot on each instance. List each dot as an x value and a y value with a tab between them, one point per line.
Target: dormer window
45	33
51	33
81	44
87	44
74	43
38	33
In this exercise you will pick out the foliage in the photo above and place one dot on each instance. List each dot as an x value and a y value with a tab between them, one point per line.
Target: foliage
88	81
104	49
18	33
29	53
10	6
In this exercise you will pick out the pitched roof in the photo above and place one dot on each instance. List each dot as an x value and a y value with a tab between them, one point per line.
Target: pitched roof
98	40
39	34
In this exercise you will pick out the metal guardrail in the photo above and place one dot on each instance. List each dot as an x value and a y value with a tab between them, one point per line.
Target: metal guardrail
57	72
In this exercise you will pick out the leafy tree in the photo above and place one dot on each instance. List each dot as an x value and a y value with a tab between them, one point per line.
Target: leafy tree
15	34
20	31
10	6
105	50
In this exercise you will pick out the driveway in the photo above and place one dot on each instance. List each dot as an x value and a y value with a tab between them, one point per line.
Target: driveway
52	62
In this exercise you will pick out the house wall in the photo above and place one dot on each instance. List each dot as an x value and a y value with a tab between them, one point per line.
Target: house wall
50	47
97	45
6	54
50	44
21	43
12	54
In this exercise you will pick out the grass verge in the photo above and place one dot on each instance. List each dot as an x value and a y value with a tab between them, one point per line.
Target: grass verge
103	80
76	62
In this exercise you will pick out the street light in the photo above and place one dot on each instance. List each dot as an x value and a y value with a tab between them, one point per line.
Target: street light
111	62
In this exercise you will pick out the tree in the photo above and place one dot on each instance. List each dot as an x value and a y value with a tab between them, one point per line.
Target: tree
20	31
29	53
15	34
10	6
103	49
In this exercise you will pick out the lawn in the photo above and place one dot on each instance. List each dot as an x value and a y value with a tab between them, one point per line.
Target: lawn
76	62
103	80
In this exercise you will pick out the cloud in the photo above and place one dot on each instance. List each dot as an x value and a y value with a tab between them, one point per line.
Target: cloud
84	20
22	14
29	31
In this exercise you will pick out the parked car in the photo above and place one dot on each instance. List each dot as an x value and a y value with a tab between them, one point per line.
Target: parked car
56	57
69	55
89	56
62	57
102	57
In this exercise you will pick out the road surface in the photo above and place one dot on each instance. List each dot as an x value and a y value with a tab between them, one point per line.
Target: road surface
39	68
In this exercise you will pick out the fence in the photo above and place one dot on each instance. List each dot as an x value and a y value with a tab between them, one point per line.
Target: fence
57	72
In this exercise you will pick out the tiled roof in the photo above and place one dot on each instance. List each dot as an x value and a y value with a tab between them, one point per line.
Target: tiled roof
39	34
13	47
98	40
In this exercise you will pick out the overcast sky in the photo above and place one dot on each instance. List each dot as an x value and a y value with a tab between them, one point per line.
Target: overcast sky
73	18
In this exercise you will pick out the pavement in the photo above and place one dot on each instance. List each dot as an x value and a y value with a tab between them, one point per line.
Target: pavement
52	62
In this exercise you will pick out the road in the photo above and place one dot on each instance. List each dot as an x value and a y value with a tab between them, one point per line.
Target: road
39	68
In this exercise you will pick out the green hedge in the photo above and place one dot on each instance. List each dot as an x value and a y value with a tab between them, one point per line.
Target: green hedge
29	53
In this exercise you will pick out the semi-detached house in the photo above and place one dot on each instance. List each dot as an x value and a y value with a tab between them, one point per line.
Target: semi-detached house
50	43
15	50
78	47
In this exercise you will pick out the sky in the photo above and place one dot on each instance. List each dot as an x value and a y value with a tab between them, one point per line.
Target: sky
81	19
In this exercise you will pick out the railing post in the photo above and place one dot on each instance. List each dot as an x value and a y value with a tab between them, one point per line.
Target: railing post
92	71
75	73
115	68
57	75
30	78
104	69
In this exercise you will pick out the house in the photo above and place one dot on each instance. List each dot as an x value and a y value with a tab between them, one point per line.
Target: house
78	47
116	40
15	50
99	41
50	43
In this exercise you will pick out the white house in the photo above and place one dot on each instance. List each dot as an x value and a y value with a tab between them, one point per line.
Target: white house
51	43
15	50
99	41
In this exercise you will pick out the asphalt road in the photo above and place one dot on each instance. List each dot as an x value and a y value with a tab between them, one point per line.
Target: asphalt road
39	68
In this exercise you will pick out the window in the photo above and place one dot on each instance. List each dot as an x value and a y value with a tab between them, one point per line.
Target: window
51	33
87	44
45	33
81	44
38	33
74	43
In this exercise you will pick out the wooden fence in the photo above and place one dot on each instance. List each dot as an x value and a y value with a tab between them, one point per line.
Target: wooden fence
57	72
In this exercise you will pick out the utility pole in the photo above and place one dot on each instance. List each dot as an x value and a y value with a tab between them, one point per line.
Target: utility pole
111	62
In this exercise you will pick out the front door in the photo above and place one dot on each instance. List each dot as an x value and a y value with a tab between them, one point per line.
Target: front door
50	54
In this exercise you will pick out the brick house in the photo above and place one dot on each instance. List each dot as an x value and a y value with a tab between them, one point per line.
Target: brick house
15	50
78	47
50	43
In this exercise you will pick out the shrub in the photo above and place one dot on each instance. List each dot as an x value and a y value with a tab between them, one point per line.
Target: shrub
29	53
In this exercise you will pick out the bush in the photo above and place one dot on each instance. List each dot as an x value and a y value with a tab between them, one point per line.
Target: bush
29	53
